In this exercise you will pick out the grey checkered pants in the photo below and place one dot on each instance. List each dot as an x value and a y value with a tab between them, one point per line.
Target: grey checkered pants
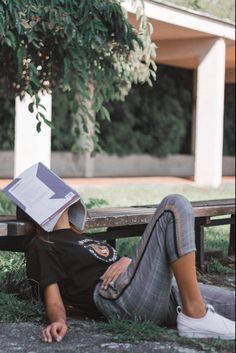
146	290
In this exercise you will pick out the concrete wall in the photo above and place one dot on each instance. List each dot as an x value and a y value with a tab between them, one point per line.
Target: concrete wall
67	164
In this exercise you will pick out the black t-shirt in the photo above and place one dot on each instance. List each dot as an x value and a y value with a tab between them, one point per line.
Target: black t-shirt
73	261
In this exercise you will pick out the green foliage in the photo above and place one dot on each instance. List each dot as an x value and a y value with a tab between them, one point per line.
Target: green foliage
95	202
158	120
7	114
229	122
154	120
134	331
62	137
14	310
12	275
86	48
127	246
173	84
217	238
216	266
6	206
16	302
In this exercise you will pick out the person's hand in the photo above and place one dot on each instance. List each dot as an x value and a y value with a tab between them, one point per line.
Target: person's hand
114	271
54	332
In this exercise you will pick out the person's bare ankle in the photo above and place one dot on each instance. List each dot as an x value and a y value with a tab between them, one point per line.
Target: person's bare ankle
195	310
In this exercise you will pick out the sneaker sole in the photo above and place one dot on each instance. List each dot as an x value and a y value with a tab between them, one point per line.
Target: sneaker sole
205	335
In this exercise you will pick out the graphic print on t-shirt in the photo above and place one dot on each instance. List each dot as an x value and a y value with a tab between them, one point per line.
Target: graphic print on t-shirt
102	251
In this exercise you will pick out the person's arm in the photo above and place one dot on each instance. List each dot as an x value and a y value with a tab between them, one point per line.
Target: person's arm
114	271
56	314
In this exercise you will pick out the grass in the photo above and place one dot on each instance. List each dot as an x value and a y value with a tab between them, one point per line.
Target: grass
131	331
13	309
16	302
217	238
129	194
216	267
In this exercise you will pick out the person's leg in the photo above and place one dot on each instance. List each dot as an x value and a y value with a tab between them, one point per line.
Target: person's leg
221	298
143	291
185	273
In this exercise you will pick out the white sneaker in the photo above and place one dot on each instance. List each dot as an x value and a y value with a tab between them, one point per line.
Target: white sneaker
212	325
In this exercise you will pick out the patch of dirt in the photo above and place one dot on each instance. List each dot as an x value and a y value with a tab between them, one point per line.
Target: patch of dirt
223	277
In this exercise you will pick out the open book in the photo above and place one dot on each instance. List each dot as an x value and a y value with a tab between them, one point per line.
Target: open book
44	197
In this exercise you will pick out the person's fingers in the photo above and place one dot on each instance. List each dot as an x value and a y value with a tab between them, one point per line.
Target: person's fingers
54	331
112	277
44	337
107	272
107	278
114	271
63	331
106	282
47	334
58	331
116	276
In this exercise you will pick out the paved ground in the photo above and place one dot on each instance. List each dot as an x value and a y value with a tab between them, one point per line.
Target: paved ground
81	338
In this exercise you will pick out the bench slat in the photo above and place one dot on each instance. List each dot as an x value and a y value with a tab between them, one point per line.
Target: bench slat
126	216
125	222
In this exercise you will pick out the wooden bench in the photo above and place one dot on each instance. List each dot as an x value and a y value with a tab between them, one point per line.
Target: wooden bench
114	223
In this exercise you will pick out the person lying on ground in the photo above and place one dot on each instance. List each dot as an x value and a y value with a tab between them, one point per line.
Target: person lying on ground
159	284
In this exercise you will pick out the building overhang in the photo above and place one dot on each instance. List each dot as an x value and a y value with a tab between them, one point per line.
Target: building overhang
177	27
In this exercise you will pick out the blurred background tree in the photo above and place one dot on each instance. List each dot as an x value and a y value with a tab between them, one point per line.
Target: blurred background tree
146	115
87	49
143	123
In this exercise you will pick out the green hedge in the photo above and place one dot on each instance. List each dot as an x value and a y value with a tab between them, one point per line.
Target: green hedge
7	113
152	120
229	121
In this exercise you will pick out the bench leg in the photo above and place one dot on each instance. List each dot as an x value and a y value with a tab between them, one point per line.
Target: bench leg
231	249
199	239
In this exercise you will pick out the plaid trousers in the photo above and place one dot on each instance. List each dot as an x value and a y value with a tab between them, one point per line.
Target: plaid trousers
146	290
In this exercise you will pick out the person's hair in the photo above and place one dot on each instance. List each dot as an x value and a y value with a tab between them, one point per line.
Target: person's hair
23	216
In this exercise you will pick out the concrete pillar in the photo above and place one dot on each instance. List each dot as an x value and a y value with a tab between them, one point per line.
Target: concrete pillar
31	146
89	165
210	115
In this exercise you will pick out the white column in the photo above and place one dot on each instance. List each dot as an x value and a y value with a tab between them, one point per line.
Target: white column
210	115
30	146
